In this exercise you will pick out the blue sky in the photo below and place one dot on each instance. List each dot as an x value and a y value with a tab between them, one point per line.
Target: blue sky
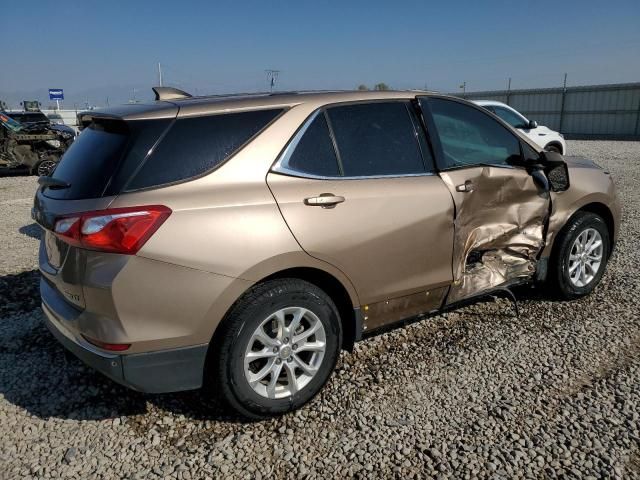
96	50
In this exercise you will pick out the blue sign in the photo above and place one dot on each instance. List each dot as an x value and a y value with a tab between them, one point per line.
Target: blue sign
56	94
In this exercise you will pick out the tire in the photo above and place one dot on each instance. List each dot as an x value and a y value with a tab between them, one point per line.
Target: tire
563	260
228	371
44	167
553	148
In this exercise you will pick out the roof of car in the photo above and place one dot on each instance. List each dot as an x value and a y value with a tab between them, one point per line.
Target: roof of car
191	106
489	102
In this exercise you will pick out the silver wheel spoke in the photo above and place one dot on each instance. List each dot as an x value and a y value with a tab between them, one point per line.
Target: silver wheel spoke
307	333
264	339
264	371
594	246
291	377
273	381
282	328
311	347
295	323
305	367
264	353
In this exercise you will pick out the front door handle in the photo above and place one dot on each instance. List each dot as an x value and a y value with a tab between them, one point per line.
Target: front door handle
324	200
465	187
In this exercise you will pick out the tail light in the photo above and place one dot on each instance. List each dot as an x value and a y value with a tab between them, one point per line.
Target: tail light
116	230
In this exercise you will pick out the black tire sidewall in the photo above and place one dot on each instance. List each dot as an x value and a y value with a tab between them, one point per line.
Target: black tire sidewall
579	223
245	320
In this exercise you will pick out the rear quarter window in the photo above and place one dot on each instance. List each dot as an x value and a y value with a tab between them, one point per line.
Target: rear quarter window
194	146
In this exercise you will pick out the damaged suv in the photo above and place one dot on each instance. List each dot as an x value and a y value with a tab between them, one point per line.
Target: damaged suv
241	242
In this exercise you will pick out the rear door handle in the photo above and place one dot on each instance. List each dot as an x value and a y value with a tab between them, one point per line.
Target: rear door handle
324	200
465	187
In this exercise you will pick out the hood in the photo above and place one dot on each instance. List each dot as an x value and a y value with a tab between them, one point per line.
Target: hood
581	162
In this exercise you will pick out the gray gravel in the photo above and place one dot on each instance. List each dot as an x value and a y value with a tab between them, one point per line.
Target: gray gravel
473	393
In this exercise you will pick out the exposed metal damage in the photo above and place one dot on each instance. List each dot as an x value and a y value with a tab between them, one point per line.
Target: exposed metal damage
495	247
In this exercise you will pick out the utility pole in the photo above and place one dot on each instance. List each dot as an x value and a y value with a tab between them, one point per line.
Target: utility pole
272	75
564	94
508	90
159	74
464	89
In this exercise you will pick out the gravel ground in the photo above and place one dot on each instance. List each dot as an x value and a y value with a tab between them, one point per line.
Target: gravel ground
474	393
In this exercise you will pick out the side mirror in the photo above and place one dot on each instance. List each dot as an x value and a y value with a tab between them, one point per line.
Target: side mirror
556	170
532	124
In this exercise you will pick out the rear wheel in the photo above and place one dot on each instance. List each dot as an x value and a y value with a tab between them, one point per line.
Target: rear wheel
276	349
580	256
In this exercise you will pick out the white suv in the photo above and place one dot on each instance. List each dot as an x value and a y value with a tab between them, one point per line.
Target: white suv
543	136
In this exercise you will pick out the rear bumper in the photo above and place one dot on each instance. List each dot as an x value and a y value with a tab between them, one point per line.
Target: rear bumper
161	371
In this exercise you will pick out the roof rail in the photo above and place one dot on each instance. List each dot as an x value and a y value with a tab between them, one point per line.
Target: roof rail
169	93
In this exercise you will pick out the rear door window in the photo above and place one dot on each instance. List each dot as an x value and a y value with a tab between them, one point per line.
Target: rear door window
376	139
194	146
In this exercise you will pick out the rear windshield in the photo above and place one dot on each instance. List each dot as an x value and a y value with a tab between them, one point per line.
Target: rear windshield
110	156
101	151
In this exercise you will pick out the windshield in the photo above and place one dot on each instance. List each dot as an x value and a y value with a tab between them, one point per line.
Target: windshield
512	118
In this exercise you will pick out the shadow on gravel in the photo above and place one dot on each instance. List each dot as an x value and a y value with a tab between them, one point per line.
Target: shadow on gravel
19	293
37	374
33	230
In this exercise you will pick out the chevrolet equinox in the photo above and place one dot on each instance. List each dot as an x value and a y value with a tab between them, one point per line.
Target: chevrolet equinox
240	242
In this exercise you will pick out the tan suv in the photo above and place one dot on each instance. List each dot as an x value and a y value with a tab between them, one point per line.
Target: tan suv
241	242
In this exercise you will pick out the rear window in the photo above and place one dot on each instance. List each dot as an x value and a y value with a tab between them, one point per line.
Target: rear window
105	148
196	145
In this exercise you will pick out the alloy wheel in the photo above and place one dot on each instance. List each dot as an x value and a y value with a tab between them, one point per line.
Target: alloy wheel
585	257
285	352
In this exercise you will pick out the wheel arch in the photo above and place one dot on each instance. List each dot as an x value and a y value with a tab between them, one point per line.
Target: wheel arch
605	213
597	208
556	144
333	287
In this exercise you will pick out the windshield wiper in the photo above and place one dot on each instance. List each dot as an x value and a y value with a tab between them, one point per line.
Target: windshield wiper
53	183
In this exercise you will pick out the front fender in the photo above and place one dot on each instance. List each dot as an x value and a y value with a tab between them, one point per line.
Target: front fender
589	186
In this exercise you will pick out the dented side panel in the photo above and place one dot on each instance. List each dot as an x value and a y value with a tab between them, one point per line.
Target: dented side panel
500	222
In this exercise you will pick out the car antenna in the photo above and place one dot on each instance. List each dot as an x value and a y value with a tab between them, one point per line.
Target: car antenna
170	93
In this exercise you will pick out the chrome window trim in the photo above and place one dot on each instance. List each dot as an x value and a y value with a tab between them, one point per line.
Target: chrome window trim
281	165
295	173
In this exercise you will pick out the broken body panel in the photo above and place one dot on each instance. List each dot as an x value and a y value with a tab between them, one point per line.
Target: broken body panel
501	217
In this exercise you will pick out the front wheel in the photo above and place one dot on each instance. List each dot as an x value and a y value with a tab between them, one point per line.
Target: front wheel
276	348
580	256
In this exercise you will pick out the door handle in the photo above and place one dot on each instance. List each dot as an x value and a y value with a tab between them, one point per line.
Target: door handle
465	187
324	200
